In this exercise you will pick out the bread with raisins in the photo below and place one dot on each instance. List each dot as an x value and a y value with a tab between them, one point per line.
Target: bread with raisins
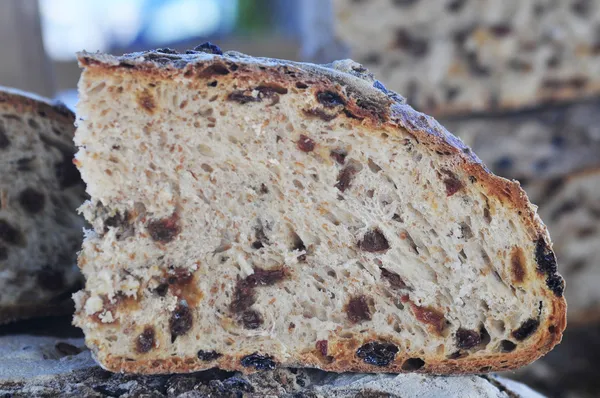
463	56
40	190
571	206
251	213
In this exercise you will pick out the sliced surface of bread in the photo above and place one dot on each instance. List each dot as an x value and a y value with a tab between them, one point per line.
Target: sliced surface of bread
40	190
462	56
250	213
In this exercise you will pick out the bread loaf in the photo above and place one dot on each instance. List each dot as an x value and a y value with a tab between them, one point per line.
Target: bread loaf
40	189
250	213
535	145
571	206
461	56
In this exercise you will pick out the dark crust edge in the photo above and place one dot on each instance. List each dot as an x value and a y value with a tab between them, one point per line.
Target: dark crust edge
23	101
389	113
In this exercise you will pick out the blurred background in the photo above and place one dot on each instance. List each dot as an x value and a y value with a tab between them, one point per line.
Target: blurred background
517	80
39	38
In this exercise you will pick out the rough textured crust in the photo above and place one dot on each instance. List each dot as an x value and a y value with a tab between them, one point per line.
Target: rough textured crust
369	104
38	131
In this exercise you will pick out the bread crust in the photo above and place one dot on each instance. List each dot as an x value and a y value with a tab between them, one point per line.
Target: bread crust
383	111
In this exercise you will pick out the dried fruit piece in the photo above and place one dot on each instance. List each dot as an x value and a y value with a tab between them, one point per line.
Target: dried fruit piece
431	316
181	320
305	143
321	346
258	362
546	261
251	319
208	355
164	230
526	329
545	257
374	241
243	97
339	155
243	295
378	354
266	277
452	183
394	279
330	99
466	339
358	309
145	341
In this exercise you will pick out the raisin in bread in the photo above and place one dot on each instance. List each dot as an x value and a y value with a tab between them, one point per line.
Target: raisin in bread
251	213
537	144
449	56
40	190
571	207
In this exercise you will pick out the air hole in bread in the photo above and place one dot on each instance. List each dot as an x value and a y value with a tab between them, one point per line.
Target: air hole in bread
413	364
297	244
404	235
206	167
485	257
374	167
465	230
498	327
298	184
486	215
331	217
485	336
507	346
205	150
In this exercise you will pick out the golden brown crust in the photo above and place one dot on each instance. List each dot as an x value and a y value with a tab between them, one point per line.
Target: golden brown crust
368	105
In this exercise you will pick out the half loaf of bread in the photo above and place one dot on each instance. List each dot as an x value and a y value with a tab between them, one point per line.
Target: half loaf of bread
251	213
